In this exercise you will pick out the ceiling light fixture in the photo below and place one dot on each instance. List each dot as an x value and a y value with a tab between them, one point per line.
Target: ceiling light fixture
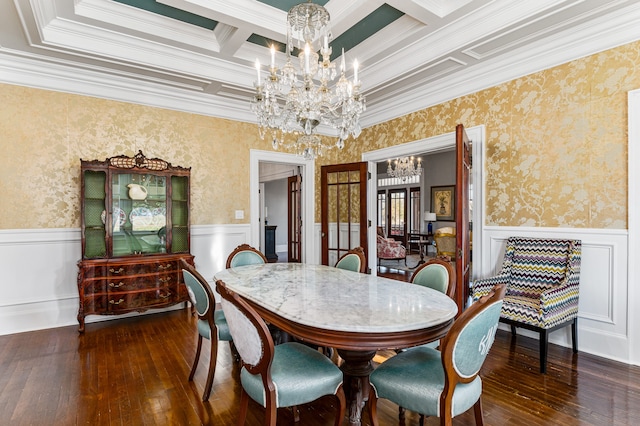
298	99
405	168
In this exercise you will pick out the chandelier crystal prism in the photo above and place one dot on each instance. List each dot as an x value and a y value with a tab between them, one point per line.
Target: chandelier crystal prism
405	168
298	98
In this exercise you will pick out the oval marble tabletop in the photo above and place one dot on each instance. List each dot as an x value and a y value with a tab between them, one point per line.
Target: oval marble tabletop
335	299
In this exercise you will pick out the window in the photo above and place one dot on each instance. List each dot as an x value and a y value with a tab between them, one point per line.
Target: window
414	210
397	212
382	209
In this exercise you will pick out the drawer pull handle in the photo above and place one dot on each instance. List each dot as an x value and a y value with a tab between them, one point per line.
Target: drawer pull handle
164	280
165	297
113	302
164	267
119	271
120	284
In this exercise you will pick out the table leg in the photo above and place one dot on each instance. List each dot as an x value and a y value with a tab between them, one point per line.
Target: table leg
356	369
422	248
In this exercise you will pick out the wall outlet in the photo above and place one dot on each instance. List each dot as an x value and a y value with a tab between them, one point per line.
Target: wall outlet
239	214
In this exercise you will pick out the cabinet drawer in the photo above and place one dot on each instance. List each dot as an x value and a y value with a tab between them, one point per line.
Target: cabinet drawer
121	270
142	300
124	284
95	304
98	286
94	271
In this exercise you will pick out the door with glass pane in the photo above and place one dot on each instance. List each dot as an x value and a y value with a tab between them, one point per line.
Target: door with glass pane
294	221
398	215
463	248
343	209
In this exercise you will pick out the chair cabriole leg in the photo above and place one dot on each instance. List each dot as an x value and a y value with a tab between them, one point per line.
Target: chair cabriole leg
195	361
477	410
342	406
212	369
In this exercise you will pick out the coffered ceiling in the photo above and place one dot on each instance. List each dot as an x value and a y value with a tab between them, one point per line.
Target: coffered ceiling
199	55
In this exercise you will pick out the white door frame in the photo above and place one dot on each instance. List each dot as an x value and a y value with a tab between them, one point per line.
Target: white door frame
633	295
432	145
308	196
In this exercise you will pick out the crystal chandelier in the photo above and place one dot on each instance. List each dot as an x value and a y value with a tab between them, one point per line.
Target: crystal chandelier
405	168
298	99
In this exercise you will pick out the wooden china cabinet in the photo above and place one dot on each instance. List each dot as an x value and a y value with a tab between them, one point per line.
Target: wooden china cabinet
135	230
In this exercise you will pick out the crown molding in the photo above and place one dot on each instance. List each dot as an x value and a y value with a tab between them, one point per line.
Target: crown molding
58	75
588	39
36	73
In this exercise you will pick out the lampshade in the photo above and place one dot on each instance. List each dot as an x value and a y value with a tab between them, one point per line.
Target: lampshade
429	217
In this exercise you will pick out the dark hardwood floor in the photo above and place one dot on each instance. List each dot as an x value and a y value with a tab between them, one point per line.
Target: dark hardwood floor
134	372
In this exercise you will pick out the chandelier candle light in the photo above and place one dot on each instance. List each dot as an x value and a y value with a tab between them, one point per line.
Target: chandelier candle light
405	168
298	99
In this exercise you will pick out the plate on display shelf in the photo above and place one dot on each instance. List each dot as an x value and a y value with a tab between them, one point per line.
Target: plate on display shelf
141	219
119	217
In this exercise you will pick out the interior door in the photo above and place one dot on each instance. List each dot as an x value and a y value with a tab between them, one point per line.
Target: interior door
463	254
343	210
398	215
295	218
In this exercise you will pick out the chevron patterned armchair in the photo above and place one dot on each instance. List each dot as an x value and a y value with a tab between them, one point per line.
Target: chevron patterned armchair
542	278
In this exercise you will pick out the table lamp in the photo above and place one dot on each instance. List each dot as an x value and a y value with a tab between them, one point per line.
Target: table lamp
429	217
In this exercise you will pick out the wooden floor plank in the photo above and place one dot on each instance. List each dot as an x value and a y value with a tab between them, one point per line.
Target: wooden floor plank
134	371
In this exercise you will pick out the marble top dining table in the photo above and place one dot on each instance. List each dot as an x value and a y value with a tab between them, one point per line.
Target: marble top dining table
358	314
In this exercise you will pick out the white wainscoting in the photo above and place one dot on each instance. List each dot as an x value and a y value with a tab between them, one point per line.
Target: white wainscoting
602	314
39	283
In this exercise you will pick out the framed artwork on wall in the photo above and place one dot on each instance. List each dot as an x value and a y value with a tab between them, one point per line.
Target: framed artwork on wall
443	199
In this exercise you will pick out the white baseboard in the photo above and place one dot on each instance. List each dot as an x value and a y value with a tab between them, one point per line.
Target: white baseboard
40	273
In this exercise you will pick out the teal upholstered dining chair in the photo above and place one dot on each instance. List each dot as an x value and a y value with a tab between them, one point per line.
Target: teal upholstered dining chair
244	254
353	260
285	375
437	274
212	324
442	383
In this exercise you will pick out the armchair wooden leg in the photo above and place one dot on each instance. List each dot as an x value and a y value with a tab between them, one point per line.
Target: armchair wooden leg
544	346
574	335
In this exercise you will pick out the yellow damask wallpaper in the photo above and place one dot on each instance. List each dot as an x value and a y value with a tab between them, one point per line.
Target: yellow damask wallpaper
556	141
556	147
44	135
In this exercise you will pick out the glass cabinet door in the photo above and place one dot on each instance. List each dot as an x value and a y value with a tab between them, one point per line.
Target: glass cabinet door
139	214
94	214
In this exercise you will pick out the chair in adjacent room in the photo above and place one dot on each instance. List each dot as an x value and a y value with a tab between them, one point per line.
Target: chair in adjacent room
244	254
353	260
542	277
445	239
389	249
442	383
285	375
212	324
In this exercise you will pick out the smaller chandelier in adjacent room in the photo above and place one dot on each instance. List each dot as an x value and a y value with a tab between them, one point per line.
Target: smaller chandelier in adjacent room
405	167
297	99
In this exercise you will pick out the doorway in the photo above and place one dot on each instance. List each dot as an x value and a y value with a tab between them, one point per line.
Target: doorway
307	202
435	144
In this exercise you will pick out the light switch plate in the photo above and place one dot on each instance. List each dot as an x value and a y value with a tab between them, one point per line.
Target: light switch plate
239	214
